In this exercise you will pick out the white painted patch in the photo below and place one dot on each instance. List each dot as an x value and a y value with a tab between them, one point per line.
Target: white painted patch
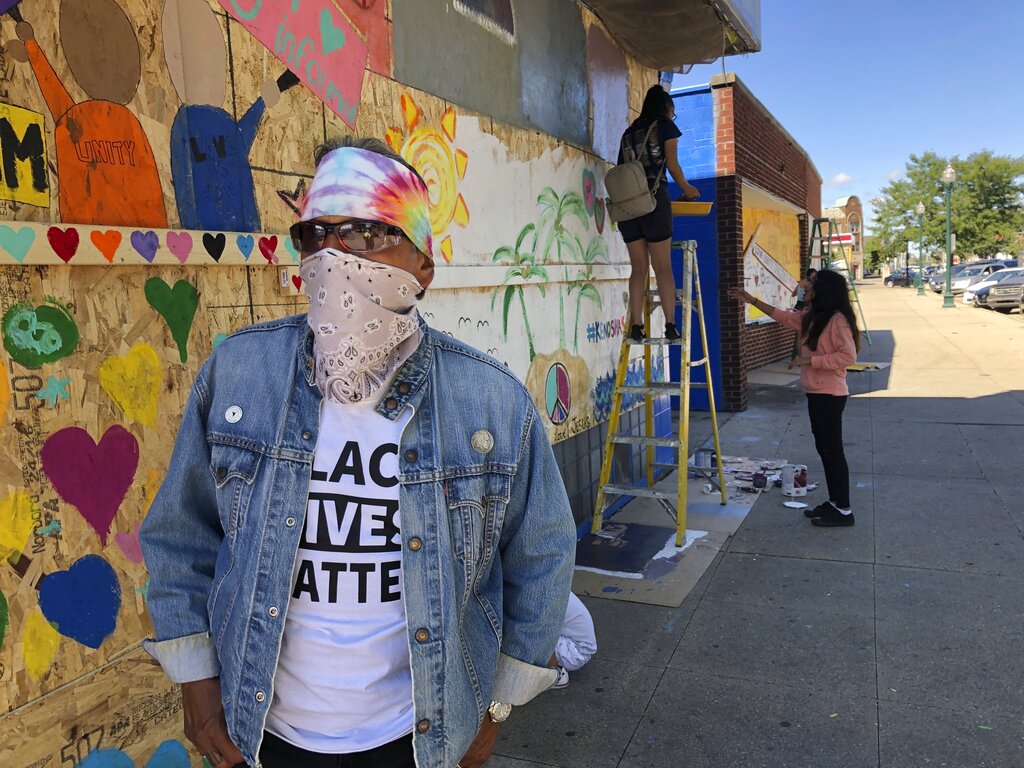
616	574
670	547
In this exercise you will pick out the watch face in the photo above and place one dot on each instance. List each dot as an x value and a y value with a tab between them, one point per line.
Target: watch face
499	712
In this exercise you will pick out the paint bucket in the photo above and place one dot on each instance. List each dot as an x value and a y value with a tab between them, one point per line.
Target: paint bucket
794	480
704	458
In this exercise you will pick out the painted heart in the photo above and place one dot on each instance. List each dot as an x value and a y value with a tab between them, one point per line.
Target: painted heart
170	754
180	244
36	335
82	601
177	306
268	247
133	381
106	243
290	247
599	214
214	244
589	189
297	282
245	243
129	544
146	243
91	477
17	243
64	242
16	523
331	38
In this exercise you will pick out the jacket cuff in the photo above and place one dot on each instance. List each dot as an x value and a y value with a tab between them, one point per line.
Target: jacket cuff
516	682
817	361
186	659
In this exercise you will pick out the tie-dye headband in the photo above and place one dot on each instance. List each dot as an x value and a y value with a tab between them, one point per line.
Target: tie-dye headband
367	185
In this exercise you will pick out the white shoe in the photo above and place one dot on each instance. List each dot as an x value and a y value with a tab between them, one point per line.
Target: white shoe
563	678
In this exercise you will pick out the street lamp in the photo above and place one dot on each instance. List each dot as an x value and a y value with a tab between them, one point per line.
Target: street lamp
948	179
920	247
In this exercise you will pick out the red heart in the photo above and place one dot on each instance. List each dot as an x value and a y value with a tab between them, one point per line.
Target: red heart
267	247
297	282
64	242
106	242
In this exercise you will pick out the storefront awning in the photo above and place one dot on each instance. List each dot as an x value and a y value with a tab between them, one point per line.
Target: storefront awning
671	34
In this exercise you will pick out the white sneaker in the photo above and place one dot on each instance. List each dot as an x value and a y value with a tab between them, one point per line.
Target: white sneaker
563	678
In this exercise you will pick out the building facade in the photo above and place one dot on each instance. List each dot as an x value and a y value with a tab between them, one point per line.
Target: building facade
848	220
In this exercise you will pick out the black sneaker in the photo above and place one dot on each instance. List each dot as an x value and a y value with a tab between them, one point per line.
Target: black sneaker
671	333
636	332
833	519
822	509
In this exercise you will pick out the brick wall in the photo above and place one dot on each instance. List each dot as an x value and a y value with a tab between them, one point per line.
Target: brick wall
752	147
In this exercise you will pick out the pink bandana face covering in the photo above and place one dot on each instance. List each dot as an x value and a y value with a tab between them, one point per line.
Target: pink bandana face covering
362	184
364	322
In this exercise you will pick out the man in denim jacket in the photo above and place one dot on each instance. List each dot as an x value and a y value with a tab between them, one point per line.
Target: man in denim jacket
363	546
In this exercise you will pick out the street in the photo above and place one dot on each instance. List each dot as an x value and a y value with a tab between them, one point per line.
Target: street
895	643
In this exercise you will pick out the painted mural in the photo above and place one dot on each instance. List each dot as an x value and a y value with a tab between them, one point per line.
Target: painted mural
152	156
771	259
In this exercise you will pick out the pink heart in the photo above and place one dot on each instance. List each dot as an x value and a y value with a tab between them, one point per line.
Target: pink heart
180	244
129	544
93	478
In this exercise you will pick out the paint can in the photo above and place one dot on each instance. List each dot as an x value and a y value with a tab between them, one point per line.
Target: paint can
704	458
794	480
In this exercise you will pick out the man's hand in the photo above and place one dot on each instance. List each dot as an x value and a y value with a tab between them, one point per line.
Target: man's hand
205	725
482	746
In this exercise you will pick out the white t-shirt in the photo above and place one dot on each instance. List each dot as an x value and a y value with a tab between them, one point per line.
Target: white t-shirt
343	682
577	641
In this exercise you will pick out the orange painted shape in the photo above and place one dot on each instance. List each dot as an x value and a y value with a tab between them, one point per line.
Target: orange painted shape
394	139
461	214
446	249
448	123
106	243
461	161
410	112
5	397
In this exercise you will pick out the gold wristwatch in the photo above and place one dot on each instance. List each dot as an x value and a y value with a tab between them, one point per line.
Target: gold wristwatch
499	712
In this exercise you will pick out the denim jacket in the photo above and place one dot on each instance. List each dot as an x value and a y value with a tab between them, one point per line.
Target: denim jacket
488	536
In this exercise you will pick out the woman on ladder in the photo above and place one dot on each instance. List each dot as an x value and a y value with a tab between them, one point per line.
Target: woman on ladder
653	138
829	342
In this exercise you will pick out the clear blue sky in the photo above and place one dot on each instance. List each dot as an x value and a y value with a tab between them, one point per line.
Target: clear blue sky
862	85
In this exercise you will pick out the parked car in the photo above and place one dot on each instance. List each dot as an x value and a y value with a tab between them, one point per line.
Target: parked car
973	291
1005	296
937	282
902	278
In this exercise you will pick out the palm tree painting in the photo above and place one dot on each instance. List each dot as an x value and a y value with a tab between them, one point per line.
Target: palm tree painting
555	214
521	263
584	284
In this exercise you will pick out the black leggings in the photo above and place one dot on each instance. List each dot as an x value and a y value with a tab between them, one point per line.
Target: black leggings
826	413
277	753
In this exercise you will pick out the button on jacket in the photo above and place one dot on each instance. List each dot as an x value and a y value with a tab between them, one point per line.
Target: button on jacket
488	538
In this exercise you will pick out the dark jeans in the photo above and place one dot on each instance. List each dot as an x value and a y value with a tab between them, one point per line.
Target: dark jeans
826	413
277	753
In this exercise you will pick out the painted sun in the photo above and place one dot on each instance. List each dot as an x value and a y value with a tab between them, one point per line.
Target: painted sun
432	152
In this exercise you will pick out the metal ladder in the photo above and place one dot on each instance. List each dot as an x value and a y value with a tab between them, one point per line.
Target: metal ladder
819	246
674	501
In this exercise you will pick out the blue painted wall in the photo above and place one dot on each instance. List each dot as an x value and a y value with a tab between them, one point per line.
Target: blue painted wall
695	118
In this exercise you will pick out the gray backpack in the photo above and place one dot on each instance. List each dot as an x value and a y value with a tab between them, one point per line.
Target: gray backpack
629	197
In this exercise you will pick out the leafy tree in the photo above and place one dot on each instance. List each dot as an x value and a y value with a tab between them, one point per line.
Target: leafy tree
584	284
987	205
521	263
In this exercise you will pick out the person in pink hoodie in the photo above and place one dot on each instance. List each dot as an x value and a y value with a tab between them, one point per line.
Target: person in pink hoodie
829	342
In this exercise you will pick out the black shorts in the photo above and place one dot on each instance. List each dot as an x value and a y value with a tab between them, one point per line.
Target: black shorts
654	226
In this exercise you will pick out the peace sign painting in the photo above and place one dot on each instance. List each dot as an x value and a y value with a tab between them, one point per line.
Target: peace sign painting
315	41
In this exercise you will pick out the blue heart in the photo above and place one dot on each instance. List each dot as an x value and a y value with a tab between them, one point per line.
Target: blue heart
17	243
82	601
331	38
245	244
170	754
291	249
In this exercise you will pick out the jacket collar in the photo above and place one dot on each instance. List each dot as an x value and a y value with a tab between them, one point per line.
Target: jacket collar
405	385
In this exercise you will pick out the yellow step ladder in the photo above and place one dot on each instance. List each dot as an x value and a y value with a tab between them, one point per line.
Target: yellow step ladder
672	501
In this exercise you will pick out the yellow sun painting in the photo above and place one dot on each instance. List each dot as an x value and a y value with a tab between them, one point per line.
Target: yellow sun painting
432	152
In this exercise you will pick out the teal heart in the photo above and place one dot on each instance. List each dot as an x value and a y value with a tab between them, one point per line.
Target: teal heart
177	306
17	243
331	38
170	754
291	249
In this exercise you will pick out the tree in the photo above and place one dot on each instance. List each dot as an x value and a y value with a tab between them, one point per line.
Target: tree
987	205
521	264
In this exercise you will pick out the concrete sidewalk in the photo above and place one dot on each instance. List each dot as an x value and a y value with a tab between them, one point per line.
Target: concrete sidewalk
895	643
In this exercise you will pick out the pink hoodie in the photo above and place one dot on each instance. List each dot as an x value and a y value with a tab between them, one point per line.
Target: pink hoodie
826	375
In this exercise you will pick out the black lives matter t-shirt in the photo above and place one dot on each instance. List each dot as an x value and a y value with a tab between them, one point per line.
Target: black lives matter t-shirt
343	682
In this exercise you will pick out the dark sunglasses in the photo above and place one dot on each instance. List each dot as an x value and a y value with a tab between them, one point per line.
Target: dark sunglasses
354	236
